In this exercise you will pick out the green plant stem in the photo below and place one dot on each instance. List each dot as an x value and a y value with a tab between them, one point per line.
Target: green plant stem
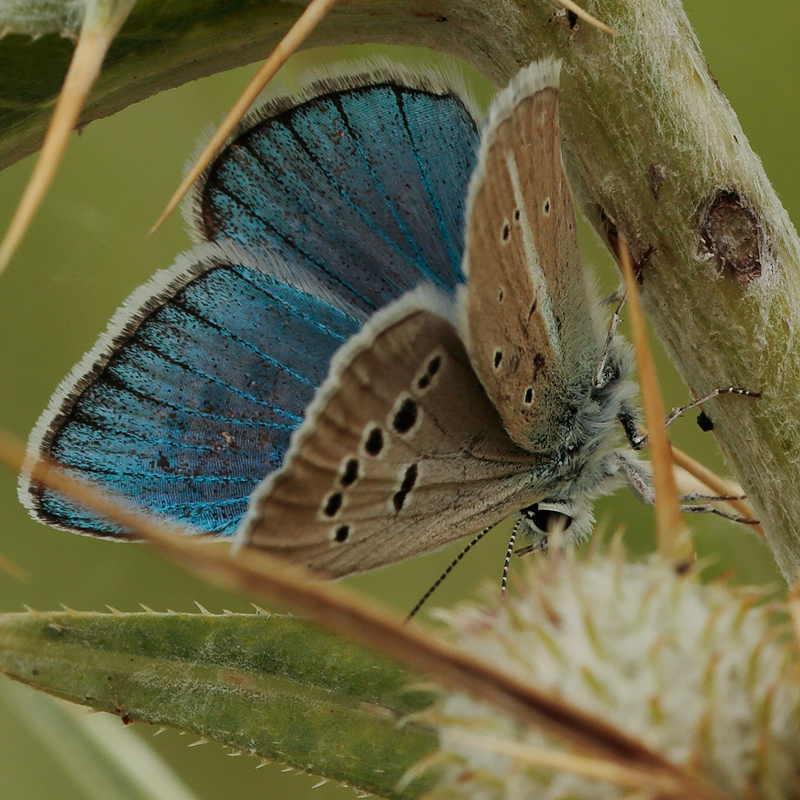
653	150
269	685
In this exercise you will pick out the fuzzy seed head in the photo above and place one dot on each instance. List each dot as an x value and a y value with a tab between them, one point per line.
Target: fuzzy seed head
705	675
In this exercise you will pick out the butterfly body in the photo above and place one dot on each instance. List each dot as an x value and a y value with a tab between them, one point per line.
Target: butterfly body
321	353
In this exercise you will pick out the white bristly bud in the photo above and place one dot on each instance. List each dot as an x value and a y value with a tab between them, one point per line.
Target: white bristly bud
705	675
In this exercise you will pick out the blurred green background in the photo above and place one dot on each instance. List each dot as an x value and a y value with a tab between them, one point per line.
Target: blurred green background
87	250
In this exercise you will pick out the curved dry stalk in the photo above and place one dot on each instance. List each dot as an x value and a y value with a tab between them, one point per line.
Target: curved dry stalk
103	19
309	19
276	580
560	761
674	541
12	569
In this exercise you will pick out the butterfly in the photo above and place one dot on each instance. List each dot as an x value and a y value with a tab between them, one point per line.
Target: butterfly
383	341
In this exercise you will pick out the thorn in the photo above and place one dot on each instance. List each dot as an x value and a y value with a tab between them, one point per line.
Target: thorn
96	36
68	609
114	610
28	608
306	23
159	731
263	763
287	769
198	743
204	611
260	610
235	753
171	612
587	17
673	539
320	783
227	612
147	609
10	568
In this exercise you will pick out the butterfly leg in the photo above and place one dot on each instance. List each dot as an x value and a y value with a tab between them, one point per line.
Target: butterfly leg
627	417
640	483
607	369
695	496
637	476
676	412
707	508
629	420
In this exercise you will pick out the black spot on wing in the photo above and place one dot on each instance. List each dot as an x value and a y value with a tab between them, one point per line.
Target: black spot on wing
409	480
350	473
342	533
433	366
406	416
333	504
374	443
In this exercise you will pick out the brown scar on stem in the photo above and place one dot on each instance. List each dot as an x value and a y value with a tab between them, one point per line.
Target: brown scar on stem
732	236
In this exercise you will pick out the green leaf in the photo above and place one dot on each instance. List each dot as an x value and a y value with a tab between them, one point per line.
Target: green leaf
268	685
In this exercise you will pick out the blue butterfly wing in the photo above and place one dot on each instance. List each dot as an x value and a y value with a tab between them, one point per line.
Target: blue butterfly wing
363	187
190	398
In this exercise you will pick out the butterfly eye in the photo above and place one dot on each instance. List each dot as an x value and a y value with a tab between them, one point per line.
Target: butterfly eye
516	215
498	357
506	231
547	520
